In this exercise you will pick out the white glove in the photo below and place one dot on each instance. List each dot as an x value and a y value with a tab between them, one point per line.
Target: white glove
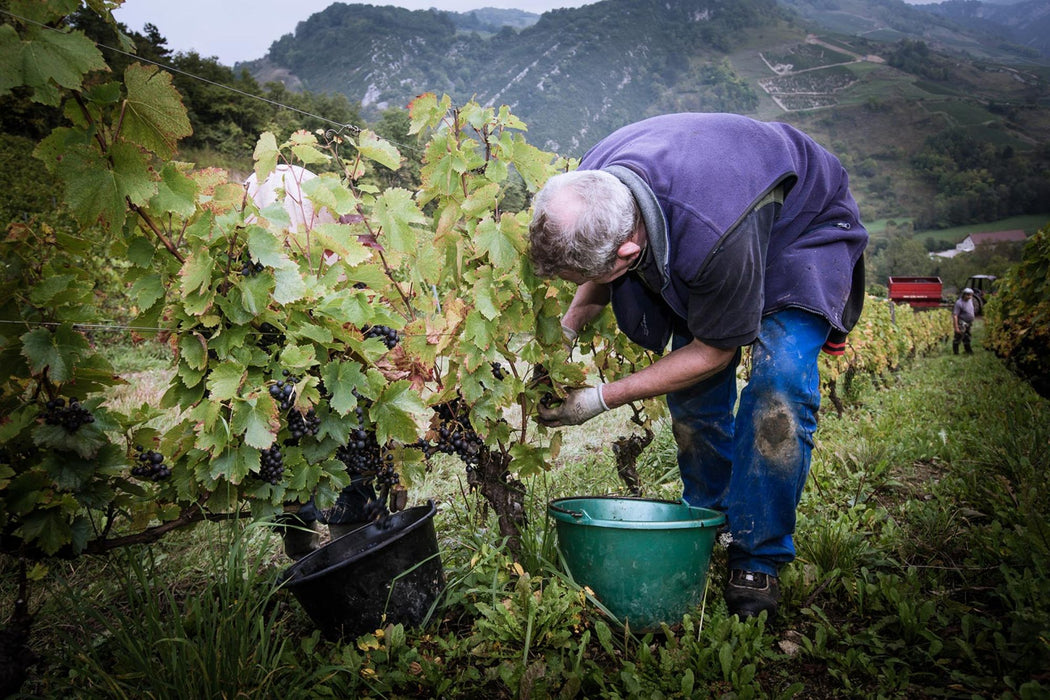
579	406
570	337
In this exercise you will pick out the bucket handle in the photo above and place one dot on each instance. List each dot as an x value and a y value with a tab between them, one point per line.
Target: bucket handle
577	514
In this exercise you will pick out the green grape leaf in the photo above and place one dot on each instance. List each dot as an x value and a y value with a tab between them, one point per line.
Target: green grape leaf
298	357
509	121
265	248
235	463
84	442
375	148
10	59
397	413
289	285
481	200
329	192
532	164
304	145
43	12
70	471
528	460
61	57
47	527
140	252
483	299
256	418
131	174
193	349
97	186
148	290
305	477
255	293
492	240
196	272
477	330
50	287
56	352
225	380
176	193
396	212
51	58
154	116
340	379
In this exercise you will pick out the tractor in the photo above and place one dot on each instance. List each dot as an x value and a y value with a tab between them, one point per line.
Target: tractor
983	287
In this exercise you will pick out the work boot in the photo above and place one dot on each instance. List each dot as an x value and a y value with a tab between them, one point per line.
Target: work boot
749	592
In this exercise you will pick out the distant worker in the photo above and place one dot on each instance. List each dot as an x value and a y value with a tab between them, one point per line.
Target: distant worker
708	233
962	321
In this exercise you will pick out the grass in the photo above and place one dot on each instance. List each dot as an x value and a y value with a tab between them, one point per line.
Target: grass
923	561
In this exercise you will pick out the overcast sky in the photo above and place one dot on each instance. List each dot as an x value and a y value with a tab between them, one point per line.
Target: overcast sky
242	30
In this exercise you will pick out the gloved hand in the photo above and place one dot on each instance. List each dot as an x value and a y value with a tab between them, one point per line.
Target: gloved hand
570	336
579	406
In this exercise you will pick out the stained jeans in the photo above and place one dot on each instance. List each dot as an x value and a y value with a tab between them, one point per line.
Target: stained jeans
752	467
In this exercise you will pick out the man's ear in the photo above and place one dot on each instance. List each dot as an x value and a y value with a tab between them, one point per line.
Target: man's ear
628	249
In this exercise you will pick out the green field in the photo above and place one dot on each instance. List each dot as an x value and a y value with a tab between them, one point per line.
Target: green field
1029	224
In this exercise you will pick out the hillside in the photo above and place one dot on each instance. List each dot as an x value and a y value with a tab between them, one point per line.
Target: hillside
838	68
1025	23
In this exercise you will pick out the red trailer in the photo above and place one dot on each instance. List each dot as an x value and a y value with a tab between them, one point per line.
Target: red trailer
919	292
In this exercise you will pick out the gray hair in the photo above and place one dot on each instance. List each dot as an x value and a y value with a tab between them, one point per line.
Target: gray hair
579	221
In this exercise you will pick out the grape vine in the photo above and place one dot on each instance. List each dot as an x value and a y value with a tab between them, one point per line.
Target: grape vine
434	275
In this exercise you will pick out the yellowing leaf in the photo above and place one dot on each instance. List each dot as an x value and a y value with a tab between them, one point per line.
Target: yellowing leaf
341	240
265	155
374	148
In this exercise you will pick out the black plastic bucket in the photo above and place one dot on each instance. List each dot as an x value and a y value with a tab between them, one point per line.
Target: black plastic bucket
383	573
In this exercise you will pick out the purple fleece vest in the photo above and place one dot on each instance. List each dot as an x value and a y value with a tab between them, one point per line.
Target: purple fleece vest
706	172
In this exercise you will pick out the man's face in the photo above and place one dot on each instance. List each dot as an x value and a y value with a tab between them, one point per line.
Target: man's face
619	269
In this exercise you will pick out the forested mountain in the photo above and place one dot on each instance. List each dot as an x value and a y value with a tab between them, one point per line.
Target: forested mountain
897	92
1025	23
586	70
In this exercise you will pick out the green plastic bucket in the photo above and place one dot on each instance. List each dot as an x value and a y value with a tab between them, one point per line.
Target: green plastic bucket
645	560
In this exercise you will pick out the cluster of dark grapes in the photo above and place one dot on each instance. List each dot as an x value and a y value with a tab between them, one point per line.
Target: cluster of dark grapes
361	454
283	391
365	457
541	377
70	417
497	371
388	335
271	464
150	465
299	426
250	268
455	435
271	335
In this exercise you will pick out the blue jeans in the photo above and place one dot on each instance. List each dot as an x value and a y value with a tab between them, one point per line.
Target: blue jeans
752	467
